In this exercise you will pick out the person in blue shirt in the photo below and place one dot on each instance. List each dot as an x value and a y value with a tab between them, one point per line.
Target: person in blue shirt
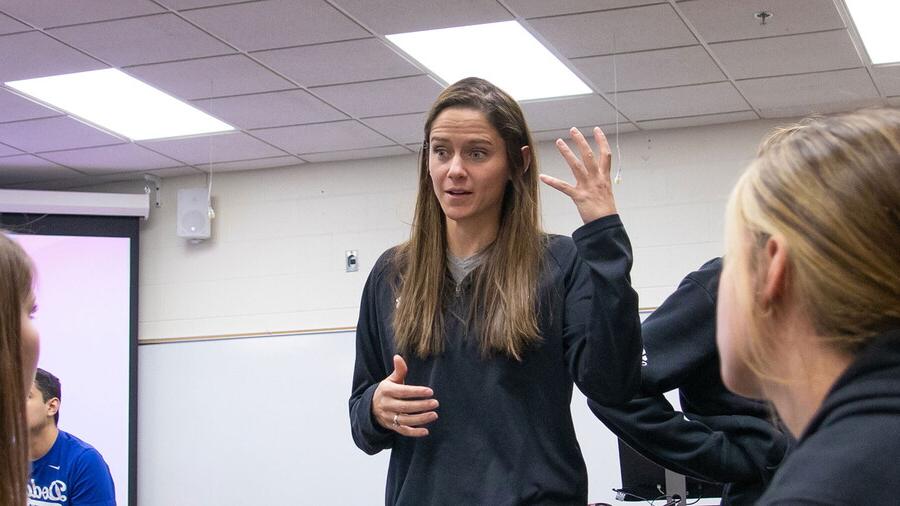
64	469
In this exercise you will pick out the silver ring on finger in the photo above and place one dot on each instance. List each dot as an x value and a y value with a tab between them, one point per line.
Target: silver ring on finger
396	421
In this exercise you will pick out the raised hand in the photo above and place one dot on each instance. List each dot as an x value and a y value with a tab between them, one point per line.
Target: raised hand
592	192
403	408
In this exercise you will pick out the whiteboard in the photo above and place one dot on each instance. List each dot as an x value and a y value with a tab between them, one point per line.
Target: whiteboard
264	421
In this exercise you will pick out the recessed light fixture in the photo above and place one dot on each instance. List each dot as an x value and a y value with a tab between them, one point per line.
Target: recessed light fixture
115	101
503	53
876	22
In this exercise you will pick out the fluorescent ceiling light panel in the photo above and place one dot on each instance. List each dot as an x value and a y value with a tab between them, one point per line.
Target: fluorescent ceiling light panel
503	53
876	22
115	101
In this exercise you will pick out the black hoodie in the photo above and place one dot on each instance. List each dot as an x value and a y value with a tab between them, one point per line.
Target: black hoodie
505	435
850	450
720	437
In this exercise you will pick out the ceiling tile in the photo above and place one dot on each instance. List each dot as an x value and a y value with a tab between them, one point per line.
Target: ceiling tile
194	4
401	16
651	69
34	54
706	119
681	101
382	98
599	33
563	133
792	54
213	148
10	25
28	168
717	21
8	150
211	77
340	135
49	13
339	62
280	108
562	113
136	177
537	8
105	159
14	108
887	78
174	172
327	46
148	39
261	163
276	23
805	94
90	181
51	134
403	128
357	154
55	183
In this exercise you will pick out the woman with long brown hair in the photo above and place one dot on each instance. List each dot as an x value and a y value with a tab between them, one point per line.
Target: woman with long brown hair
809	303
18	361
472	332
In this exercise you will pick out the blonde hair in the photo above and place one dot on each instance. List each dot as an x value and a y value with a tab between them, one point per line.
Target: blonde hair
831	187
15	292
504	304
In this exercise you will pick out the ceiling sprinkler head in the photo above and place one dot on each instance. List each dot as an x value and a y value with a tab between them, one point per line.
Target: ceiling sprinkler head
762	16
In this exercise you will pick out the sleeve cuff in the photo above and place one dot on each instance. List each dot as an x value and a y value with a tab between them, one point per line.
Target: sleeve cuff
597	226
367	423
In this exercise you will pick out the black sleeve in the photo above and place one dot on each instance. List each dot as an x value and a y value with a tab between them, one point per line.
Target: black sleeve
654	429
680	343
602	330
368	372
680	335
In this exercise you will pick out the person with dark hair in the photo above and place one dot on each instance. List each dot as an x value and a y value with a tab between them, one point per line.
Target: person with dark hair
19	351
472	333
719	437
64	469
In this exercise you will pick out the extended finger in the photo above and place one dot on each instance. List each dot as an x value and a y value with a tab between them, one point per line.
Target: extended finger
399	391
398	406
604	150
415	420
587	154
403	430
558	184
574	163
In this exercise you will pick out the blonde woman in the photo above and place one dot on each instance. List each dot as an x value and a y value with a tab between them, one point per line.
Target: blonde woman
809	303
472	333
18	361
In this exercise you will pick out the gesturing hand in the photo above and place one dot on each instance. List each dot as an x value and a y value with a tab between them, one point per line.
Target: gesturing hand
403	408
592	192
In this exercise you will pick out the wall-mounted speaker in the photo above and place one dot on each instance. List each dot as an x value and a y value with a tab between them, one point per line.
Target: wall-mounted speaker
193	213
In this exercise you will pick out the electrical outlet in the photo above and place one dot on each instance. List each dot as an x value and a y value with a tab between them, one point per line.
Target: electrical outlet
351	261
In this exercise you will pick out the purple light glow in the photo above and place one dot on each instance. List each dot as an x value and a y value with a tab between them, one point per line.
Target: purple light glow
83	298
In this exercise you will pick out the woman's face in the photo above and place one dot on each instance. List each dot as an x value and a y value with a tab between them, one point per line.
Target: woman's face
30	342
468	166
733	318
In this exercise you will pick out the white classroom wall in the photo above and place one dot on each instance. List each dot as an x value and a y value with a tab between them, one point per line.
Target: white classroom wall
276	263
276	258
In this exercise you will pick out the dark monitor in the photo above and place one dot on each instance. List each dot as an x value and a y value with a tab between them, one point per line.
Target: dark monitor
642	480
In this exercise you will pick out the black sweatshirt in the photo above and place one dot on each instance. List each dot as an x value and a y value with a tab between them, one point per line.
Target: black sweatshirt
850	450
504	434
720	437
